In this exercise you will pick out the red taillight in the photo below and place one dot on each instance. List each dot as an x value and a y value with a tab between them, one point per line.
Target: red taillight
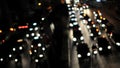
22	27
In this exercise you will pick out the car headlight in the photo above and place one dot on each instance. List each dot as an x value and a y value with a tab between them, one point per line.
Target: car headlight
109	47
79	55
1	59
81	9
99	33
27	35
95	52
74	39
88	26
103	25
81	38
91	34
71	25
88	54
89	20
100	48
36	60
40	55
117	43
34	24
30	29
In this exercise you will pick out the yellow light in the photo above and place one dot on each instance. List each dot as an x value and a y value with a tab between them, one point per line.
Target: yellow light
101	17
30	52
39	4
11	29
84	15
97	29
103	36
0	31
20	40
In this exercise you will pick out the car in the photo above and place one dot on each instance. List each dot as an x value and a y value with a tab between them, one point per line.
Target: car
83	51
4	33
94	49
116	40
104	46
95	32
13	47
109	29
77	34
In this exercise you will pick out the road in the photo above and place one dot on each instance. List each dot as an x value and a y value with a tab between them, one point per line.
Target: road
97	61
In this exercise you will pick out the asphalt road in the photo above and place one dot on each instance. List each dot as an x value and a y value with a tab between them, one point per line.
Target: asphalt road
97	61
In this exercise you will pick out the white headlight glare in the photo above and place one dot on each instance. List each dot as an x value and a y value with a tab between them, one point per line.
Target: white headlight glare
42	19
70	13
75	23
79	56
39	44
30	29
69	8
36	60
32	46
79	29
117	43
103	25
27	35
100	48
77	43
32	34
88	54
95	15
94	12
16	60
36	37
71	25
81	38
74	39
43	48
14	49
35	51
94	25
88	26
20	48
36	28
109	47
40	55
81	16
89	20
1	59
91	34
99	33
34	24
68	5
10	55
87	6
81	8
72	16
95	52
